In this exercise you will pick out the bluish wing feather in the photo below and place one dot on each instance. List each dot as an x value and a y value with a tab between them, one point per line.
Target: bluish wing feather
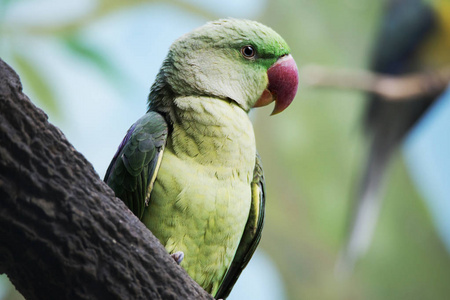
252	233
132	168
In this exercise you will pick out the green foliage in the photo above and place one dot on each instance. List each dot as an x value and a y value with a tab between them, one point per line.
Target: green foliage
79	48
68	34
38	84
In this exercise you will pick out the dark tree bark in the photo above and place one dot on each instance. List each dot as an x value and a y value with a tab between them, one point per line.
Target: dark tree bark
63	234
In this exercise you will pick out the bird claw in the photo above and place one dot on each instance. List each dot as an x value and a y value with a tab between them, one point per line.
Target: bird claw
178	256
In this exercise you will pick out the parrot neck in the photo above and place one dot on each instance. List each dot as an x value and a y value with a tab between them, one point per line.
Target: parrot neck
161	94
213	132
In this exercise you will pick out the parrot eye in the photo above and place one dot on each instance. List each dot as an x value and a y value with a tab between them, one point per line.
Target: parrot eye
248	51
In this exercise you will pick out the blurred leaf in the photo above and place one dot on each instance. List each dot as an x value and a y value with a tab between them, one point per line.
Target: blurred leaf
5	3
78	47
193	8
97	58
37	83
3	8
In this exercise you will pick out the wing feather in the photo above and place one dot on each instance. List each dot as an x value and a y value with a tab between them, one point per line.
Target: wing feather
252	233
135	165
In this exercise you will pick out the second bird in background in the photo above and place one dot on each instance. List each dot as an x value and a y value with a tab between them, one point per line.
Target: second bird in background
414	36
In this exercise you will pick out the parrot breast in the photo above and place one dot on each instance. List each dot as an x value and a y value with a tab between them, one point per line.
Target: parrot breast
201	198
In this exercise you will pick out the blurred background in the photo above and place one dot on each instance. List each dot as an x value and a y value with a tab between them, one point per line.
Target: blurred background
89	65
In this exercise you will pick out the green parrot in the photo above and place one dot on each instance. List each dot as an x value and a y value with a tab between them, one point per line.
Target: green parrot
414	36
189	167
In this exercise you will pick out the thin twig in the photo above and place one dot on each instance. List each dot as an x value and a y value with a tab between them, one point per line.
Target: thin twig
392	88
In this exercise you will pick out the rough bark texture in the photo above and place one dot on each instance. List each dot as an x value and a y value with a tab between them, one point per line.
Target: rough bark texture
63	234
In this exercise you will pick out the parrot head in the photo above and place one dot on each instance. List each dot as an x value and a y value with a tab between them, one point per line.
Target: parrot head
235	60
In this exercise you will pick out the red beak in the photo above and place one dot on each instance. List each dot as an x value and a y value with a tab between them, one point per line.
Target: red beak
283	84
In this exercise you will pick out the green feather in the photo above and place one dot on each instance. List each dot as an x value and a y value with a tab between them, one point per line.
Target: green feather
132	169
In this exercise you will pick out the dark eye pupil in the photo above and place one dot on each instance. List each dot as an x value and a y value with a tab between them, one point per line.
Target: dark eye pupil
248	51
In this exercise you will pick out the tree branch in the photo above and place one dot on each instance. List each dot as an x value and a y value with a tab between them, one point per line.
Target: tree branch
392	88
63	234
